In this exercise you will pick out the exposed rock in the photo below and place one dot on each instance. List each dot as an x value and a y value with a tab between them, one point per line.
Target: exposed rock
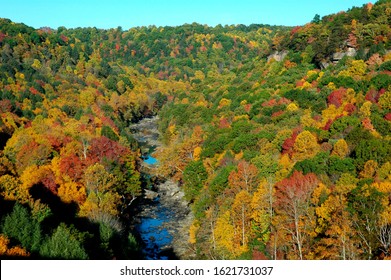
339	55
148	194
146	131
351	52
323	65
277	56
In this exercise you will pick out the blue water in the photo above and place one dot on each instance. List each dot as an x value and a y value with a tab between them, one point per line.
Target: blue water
150	160
154	235
152	227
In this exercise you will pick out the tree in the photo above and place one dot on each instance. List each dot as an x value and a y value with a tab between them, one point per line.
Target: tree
127	180
63	245
19	225
306	146
369	169
225	236
340	149
12	252
384	223
316	19
101	198
103	148
245	178
364	206
10	188
241	216
385	100
97	179
374	149
71	166
194	177
71	191
262	211
293	205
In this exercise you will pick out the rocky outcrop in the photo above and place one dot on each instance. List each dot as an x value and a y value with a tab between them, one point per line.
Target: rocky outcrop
277	56
323	65
151	195
146	132
351	52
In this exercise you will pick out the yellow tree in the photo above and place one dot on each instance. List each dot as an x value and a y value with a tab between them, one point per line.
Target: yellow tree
262	212
72	191
384	172
340	241
341	148
225	237
306	146
333	221
356	70
385	100
10	189
174	158
369	169
241	216
384	224
15	251
100	197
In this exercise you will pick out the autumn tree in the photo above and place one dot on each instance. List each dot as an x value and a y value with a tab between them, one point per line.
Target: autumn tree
100	197
127	180
225	237
293	205
340	149
306	145
262	213
334	221
364	205
11	252
241	215
245	178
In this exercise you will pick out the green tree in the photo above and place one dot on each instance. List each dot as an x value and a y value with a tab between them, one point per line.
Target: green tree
21	227
316	19
63	245
194	177
375	149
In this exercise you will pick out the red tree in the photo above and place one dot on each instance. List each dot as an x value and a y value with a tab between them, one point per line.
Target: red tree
293	197
336	97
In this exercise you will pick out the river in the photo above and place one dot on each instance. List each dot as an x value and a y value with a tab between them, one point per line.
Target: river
162	216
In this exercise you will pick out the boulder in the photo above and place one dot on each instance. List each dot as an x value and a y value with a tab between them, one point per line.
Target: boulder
338	56
148	194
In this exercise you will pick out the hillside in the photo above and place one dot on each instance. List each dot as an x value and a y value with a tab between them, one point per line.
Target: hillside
279	136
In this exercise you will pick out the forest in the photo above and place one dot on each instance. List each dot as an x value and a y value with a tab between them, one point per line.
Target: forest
280	137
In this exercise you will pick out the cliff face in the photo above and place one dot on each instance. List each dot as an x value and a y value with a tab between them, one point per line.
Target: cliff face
351	52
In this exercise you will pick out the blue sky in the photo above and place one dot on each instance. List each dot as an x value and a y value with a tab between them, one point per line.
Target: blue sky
131	13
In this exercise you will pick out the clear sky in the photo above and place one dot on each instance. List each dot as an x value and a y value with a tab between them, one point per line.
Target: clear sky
131	13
